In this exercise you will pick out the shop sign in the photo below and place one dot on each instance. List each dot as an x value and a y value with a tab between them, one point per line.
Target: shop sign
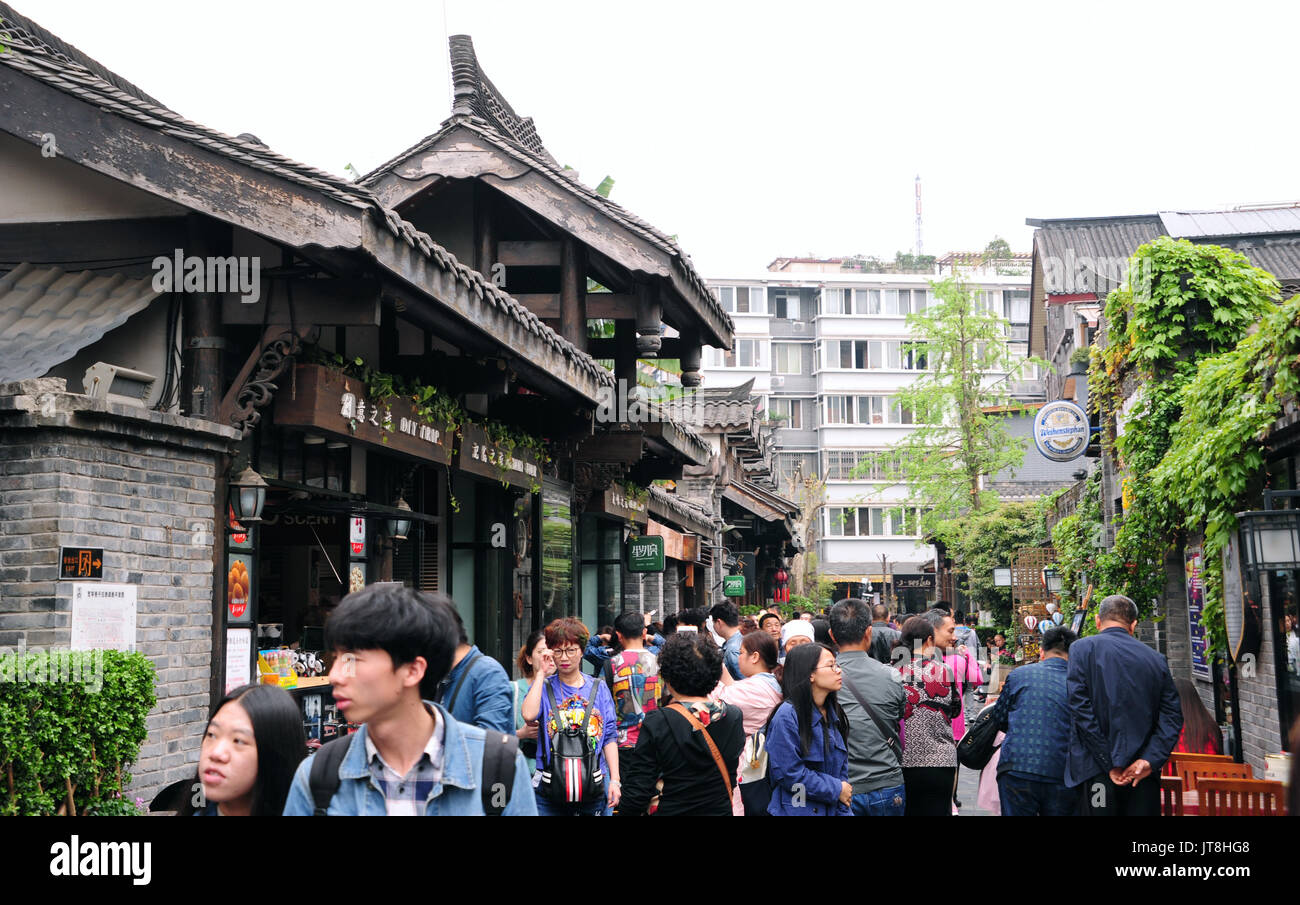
331	403
645	554
1195	603
733	586
357	536
678	546
479	456
617	502
85	563
239	588
921	580
1061	431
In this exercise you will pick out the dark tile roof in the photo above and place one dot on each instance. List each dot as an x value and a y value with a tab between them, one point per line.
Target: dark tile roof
480	108
31	52
1280	257
1105	238
47	315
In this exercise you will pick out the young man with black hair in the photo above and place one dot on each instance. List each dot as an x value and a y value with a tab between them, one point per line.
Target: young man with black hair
873	699
1034	711
883	635
726	622
1125	716
391	648
632	675
477	689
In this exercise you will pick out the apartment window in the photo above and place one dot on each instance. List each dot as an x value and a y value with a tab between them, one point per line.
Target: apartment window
841	521
839	410
866	301
796	466
786	307
899	413
727	298
787	358
834	301
898	301
749	300
747	354
790	411
1015	303
844	353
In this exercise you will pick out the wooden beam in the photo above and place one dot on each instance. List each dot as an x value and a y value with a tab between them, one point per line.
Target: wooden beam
485	241
529	254
81	242
649	315
621	446
353	303
609	305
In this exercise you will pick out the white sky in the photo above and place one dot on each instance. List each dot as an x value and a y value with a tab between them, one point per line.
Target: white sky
753	130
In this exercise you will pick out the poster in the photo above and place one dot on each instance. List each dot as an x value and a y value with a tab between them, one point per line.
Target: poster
239	657
357	537
103	616
239	588
1195	603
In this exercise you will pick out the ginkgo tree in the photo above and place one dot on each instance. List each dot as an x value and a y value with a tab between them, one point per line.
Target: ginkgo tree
960	402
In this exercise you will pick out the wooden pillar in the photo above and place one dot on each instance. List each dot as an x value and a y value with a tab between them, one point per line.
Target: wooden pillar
625	358
690	360
649	315
485	237
573	292
201	384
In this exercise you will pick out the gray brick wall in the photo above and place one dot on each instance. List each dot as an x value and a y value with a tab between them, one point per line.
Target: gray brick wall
140	485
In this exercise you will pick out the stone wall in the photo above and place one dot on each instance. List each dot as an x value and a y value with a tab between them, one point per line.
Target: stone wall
139	484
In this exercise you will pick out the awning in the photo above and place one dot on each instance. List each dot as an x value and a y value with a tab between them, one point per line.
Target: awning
48	315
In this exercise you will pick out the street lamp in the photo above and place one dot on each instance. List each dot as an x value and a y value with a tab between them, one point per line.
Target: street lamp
1002	577
248	496
1270	539
400	525
1052	580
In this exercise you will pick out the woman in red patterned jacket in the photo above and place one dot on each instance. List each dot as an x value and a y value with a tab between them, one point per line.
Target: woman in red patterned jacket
933	699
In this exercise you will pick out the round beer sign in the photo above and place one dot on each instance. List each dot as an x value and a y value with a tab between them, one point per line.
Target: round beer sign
1061	431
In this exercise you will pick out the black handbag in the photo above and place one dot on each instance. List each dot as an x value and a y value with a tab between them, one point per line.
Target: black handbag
976	747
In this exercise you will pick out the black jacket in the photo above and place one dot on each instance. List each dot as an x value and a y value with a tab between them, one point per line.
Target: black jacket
667	746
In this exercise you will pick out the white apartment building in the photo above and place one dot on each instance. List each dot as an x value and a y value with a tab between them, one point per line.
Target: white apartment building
825	348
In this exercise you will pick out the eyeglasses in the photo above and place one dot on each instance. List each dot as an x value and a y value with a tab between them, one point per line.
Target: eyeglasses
834	666
566	653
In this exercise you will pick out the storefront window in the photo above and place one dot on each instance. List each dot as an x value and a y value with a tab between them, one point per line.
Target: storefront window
557	554
1284	592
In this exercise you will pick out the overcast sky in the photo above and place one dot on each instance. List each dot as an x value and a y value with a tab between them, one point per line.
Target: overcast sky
752	130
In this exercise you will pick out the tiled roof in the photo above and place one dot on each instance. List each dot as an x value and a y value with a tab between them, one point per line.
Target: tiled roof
31	52
480	108
672	503
47	315
1280	257
1250	222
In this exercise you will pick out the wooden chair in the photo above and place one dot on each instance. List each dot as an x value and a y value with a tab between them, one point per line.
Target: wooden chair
1241	798
1171	796
1203	758
1192	772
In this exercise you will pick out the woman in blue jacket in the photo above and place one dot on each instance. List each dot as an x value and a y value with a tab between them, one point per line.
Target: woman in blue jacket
808	759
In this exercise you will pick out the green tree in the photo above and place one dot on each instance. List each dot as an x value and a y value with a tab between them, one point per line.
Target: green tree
960	404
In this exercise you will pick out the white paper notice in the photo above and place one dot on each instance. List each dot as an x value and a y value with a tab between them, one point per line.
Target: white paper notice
103	616
239	657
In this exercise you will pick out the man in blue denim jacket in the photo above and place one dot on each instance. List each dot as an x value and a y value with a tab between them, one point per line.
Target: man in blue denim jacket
477	689
410	757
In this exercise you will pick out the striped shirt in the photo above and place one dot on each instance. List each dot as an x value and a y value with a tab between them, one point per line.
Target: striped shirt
406	795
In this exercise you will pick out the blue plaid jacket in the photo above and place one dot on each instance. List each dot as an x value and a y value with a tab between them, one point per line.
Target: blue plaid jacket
1033	710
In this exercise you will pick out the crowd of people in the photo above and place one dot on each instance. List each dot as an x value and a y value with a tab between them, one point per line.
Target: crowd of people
709	713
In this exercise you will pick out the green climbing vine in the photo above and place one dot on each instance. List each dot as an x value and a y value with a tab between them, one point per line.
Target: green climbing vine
1201	397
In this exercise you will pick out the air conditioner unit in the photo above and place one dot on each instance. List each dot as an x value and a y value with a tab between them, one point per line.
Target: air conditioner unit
778	382
800	327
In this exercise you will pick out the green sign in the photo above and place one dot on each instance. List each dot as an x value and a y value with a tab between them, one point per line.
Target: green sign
733	586
645	554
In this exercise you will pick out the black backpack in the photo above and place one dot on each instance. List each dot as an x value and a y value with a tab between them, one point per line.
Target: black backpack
573	774
498	767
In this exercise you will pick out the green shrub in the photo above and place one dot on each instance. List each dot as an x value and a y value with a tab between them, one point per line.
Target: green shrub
72	737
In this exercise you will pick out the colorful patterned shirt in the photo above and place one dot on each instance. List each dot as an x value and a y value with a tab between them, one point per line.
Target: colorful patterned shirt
572	704
932	702
633	675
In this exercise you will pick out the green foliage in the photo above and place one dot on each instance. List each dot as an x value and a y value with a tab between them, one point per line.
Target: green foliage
61	738
958	440
980	541
906	261
1209	394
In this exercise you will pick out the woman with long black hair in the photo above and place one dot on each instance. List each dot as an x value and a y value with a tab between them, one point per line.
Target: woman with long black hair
1200	734
251	747
808	759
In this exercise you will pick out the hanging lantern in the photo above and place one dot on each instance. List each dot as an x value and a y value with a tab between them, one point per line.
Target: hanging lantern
248	496
399	526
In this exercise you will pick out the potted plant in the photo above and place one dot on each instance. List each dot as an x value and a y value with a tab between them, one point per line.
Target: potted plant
1079	360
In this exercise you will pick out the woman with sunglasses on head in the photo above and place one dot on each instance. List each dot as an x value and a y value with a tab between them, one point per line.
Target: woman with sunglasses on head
565	701
251	747
808	759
